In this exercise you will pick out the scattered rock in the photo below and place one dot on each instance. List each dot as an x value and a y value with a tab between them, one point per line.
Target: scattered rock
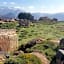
18	52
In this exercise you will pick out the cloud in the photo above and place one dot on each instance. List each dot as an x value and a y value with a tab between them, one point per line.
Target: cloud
54	9
31	7
34	8
50	9
19	7
4	3
12	3
7	3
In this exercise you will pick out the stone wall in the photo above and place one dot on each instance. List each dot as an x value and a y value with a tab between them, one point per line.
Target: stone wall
8	40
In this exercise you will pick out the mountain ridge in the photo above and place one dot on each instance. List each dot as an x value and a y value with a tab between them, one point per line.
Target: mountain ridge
59	16
13	12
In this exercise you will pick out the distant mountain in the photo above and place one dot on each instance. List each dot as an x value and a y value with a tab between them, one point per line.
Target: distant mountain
6	12
38	15
59	16
9	15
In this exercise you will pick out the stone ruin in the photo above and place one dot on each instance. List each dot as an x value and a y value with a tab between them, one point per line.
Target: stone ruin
8	40
24	22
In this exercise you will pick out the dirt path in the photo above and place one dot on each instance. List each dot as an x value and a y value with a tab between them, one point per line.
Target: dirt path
42	57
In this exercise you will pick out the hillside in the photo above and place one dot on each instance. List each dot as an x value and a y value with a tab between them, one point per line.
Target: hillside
43	30
50	33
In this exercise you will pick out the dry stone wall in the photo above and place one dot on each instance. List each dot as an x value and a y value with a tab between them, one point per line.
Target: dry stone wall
8	40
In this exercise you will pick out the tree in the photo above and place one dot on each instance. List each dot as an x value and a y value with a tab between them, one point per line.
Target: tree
55	19
27	16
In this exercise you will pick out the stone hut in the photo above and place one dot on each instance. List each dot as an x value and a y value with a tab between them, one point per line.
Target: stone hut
45	19
8	40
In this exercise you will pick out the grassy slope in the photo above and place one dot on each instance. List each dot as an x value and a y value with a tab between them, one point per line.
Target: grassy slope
44	30
23	59
54	31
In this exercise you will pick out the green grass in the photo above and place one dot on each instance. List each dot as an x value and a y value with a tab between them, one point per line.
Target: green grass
47	48
37	30
44	30
54	31
23	59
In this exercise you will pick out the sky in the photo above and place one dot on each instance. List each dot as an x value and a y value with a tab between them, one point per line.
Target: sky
41	6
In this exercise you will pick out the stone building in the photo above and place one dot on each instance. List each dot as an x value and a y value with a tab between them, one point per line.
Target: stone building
44	19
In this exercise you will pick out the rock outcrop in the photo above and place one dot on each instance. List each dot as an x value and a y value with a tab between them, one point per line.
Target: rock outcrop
59	57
